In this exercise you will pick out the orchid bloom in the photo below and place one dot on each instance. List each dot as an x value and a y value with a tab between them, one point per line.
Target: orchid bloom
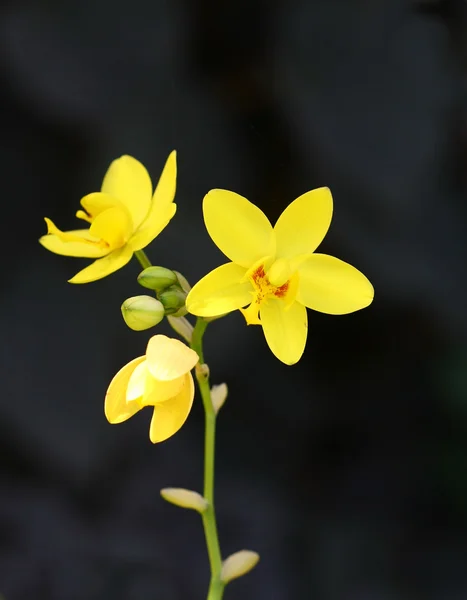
160	379
125	216
275	271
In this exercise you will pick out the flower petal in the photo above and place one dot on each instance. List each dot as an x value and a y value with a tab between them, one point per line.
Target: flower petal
94	204
157	392
137	382
164	193
220	292
116	407
148	390
285	329
302	226
238	228
172	414
88	248
162	208
168	358
152	226
128	180
332	286
113	226
104	266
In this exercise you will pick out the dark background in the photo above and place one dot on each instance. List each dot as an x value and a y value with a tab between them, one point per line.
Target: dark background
347	473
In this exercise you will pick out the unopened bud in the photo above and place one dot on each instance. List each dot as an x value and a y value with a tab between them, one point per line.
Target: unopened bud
142	312
182	326
186	287
238	564
218	396
157	278
185	498
173	299
202	370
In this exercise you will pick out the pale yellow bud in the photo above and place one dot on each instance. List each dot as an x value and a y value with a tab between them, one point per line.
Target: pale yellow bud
142	312
182	326
185	498
238	564
218	396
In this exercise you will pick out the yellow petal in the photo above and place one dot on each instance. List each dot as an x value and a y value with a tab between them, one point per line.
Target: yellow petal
238	228
80	243
152	226
220	292
162	208
137	382
164	193
148	390
104	266
331	286
116	407
94	204
112	225
172	414
285	329
157	392
302	226
168	358
128	180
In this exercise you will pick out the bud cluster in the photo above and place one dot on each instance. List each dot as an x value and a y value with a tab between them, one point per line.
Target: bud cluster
171	289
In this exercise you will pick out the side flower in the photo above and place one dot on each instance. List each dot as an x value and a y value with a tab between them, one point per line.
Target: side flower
160	379
125	216
275	272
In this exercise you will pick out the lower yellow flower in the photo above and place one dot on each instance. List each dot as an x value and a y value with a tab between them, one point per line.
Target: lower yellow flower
125	216
160	379
275	271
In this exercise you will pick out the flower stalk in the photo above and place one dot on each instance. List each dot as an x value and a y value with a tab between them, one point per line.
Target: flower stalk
143	259
216	586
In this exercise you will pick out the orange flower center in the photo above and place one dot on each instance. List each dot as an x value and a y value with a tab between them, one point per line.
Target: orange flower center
263	289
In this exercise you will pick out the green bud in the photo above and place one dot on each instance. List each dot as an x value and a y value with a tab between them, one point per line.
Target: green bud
183	282
142	312
157	278
173	299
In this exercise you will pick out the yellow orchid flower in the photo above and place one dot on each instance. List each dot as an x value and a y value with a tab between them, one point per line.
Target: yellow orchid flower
161	379
275	271
124	217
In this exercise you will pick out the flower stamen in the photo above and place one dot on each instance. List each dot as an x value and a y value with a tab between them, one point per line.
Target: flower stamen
264	289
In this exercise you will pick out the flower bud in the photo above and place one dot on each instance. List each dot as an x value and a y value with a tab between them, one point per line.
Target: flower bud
185	498
238	564
218	396
183	282
157	278
142	312
173	299
182	326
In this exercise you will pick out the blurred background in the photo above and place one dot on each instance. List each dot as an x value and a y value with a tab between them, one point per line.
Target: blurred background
347	472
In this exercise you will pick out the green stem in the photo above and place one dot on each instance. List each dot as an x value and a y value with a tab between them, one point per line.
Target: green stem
143	259
216	586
